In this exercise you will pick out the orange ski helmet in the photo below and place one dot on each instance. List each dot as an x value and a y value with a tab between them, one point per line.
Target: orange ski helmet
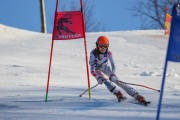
102	40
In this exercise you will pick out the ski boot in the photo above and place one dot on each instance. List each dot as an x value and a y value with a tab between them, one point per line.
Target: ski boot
141	99
119	96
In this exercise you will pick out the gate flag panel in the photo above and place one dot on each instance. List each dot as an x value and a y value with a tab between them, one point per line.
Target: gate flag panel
68	25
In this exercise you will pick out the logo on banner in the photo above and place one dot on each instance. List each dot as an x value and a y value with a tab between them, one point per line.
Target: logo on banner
68	25
61	24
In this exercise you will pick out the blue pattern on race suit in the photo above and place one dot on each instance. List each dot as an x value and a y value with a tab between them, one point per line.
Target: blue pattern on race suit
100	61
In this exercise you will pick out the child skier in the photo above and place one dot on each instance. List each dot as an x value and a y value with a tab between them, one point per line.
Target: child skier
99	58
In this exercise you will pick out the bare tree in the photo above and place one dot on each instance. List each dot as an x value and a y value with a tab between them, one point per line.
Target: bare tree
90	24
43	17
152	12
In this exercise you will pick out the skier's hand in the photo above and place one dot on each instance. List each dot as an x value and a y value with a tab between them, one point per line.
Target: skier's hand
94	73
100	80
112	77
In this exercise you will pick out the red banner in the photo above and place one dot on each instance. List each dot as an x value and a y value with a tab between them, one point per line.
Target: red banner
68	25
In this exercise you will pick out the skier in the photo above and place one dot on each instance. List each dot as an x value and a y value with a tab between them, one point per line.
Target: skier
99	58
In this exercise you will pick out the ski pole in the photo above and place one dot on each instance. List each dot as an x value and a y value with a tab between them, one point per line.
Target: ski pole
140	85
87	90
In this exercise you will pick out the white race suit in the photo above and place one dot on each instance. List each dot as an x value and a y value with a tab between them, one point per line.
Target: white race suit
99	65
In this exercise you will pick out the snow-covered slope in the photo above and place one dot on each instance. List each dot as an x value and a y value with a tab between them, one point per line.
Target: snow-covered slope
139	56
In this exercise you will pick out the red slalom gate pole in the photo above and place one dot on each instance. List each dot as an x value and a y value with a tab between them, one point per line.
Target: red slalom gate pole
51	53
87	69
49	71
85	46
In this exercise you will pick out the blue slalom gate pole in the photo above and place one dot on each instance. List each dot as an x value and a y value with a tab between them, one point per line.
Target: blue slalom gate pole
162	90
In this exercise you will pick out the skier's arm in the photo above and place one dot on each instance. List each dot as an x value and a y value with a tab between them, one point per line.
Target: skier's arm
112	62
92	64
94	72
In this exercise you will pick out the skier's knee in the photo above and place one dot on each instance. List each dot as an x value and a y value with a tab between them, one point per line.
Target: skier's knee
100	80
109	85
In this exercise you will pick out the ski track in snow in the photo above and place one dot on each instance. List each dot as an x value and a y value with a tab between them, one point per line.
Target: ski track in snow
64	103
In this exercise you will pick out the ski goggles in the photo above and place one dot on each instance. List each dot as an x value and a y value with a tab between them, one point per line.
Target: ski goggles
103	46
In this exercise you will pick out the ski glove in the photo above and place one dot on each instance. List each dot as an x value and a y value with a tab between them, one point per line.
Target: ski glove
94	73
100	80
113	77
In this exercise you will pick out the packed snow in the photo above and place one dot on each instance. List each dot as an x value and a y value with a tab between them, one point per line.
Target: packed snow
139	57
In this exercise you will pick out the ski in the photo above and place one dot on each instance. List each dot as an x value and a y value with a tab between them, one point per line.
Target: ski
146	103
